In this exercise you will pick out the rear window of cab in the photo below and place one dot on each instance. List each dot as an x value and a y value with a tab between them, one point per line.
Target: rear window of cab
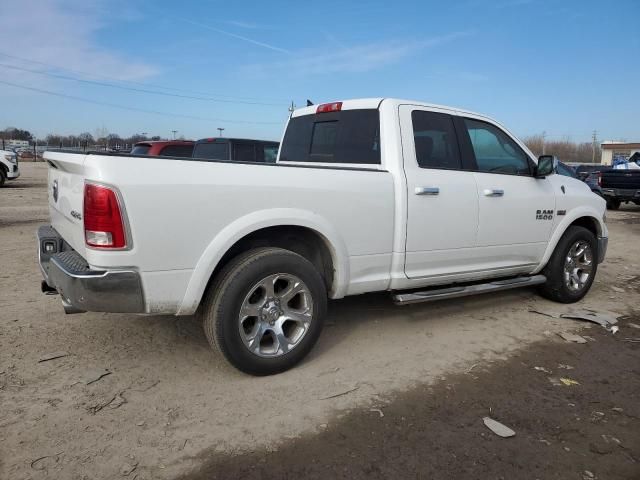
347	136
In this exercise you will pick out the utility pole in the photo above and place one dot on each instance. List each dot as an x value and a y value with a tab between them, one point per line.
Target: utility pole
220	130
594	136
174	133
544	135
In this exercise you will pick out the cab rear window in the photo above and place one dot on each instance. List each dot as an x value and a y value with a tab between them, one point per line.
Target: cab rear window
348	136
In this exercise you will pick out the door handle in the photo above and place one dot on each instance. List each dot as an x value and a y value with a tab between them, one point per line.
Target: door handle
427	191
493	192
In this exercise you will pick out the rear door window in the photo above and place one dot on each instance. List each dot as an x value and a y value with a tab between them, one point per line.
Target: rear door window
211	151
177	151
349	136
435	140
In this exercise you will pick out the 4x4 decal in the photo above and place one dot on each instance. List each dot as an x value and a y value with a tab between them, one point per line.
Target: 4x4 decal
544	214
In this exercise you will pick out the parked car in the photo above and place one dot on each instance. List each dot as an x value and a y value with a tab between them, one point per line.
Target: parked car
585	176
9	169
619	185
425	202
236	149
164	148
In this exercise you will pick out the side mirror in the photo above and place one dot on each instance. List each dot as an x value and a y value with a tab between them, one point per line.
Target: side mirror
547	165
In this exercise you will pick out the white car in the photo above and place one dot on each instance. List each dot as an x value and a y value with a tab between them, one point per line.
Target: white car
423	201
9	169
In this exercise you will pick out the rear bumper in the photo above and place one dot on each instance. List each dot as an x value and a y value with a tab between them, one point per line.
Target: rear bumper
603	242
622	193
82	288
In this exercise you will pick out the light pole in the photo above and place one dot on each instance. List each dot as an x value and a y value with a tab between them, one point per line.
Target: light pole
220	129
174	133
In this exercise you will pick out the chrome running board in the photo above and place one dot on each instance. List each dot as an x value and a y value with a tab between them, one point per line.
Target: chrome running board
463	291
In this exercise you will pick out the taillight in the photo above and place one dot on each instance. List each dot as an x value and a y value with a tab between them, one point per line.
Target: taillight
103	222
329	107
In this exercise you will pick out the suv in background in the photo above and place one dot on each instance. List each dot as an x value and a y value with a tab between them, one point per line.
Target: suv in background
164	148
236	149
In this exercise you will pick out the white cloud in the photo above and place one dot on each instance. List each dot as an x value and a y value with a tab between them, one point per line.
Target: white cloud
354	59
242	24
62	33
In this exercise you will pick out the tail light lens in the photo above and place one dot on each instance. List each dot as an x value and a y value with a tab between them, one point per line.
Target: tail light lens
103	222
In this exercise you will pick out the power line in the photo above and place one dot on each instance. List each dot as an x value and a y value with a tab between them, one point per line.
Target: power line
133	109
112	79
133	89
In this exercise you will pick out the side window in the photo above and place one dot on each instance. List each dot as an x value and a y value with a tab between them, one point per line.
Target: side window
270	153
434	137
244	152
177	151
495	151
211	150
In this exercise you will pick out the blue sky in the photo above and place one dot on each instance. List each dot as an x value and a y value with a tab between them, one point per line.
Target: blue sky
564	67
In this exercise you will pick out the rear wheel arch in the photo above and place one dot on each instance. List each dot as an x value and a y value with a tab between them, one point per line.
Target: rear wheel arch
304	241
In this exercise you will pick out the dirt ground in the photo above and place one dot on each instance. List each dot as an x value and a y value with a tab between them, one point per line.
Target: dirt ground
169	407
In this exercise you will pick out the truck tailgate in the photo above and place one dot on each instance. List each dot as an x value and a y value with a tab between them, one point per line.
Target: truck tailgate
621	179
66	192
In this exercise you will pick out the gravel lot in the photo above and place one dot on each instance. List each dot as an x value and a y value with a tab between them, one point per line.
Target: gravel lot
169	404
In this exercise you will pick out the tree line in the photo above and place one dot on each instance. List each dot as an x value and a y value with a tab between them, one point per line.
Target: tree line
566	150
86	139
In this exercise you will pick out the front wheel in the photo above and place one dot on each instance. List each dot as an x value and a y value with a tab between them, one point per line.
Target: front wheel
572	266
265	310
3	177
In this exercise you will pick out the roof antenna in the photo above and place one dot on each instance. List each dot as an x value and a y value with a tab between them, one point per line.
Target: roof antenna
309	103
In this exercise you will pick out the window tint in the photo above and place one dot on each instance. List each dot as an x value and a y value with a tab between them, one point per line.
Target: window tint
495	152
435	140
177	151
211	150
350	136
244	152
140	149
270	153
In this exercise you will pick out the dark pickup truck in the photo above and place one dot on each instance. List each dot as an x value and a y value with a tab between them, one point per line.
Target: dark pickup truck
619	186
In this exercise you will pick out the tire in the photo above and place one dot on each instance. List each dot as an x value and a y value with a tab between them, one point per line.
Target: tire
281	342
613	204
558	286
3	177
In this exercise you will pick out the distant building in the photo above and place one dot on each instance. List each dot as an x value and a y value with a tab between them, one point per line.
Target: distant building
16	143
611	150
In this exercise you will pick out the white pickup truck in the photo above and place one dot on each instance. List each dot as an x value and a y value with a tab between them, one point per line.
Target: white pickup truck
423	201
8	166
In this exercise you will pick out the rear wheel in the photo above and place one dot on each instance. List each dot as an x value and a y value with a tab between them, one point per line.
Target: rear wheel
265	310
572	266
3	177
613	204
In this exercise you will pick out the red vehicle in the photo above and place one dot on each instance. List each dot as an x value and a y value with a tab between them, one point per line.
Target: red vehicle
165	148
